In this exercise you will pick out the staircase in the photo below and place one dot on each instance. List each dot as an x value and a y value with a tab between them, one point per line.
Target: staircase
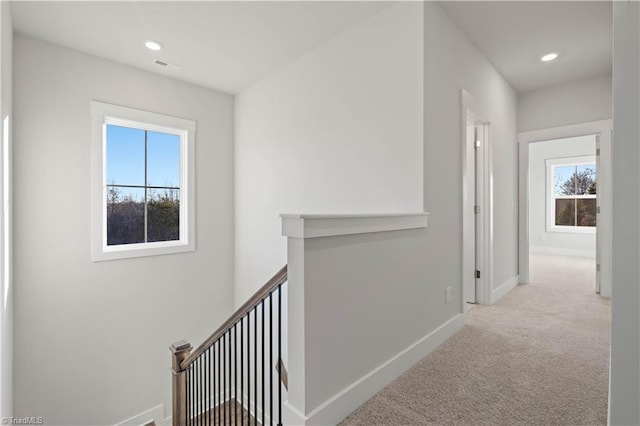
236	376
228	414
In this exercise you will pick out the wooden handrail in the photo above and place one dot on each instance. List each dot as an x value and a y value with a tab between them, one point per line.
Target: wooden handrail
279	278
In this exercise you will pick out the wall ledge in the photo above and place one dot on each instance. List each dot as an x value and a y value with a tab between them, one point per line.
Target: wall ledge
329	225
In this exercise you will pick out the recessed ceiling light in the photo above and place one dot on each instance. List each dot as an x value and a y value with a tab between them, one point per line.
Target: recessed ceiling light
549	57
153	45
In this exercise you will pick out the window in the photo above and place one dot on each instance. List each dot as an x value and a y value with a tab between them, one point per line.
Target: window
142	183
571	194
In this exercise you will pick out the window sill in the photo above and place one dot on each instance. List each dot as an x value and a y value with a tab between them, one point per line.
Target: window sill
572	229
140	250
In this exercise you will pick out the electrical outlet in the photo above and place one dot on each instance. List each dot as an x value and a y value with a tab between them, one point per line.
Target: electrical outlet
447	294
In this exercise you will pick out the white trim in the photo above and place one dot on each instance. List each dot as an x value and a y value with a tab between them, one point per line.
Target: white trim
133	114
563	132
313	226
151	415
503	289
483	247
562	251
602	129
103	114
340	405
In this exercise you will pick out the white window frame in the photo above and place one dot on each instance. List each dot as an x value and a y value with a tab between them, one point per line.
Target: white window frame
551	163
103	114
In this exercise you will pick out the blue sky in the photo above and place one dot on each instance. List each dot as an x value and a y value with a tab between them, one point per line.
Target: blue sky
125	159
563	173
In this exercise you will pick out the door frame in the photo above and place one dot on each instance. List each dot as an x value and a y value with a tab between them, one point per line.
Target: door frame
602	129
471	111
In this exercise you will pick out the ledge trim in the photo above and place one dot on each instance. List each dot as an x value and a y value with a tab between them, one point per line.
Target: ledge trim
317	225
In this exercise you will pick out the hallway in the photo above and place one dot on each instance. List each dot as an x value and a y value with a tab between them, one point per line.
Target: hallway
540	356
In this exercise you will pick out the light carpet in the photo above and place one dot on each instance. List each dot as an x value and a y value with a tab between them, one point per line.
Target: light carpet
540	356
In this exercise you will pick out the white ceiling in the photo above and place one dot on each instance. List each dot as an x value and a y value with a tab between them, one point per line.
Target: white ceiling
224	45
228	45
513	35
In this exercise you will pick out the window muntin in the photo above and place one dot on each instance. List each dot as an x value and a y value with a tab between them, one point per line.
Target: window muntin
143	183
572	194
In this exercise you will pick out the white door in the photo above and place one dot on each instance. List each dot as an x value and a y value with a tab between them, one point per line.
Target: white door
470	246
598	224
474	250
479	209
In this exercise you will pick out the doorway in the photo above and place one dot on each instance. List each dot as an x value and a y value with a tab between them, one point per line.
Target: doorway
555	232
477	205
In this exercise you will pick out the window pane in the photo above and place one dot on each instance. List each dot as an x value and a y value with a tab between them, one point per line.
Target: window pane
163	156
125	215
574	179
586	212
565	212
562	182
125	156
163	215
587	179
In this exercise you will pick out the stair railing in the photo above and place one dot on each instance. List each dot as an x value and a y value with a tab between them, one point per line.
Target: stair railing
211	385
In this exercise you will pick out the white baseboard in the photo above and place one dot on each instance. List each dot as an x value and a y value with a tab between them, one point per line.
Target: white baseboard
154	414
506	287
343	403
562	251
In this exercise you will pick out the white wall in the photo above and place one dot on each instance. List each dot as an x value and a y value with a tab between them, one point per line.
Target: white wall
452	63
337	131
541	241
624	384
91	339
578	102
386	317
6	289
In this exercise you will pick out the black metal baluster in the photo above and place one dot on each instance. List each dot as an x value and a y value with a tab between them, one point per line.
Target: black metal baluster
209	373
199	390
249	367
202	389
193	393
228	400
203	410
213	368
187	404
213	385
241	371
194	403
270	358
224	378
207	390
219	384
255	364
262	338
280	354
235	374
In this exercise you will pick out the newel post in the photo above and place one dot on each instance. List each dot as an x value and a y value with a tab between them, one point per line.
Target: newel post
179	350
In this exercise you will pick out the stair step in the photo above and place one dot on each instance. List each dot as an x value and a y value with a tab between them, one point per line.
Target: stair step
225	415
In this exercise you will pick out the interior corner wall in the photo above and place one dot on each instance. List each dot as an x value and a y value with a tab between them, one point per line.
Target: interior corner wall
337	131
573	103
92	338
452	63
624	379
541	240
6	289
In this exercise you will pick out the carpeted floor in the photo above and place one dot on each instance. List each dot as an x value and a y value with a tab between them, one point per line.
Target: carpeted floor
540	356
